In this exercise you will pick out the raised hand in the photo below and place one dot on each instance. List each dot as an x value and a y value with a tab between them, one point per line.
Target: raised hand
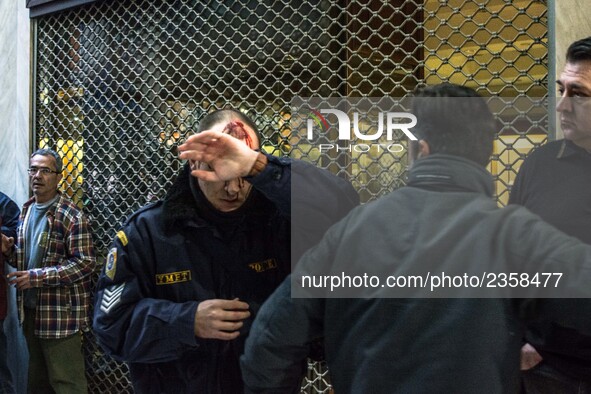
227	157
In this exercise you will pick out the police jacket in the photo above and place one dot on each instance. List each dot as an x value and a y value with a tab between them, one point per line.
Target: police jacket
173	254
378	339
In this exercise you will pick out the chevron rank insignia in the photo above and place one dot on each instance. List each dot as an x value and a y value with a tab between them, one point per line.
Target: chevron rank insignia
111	265
111	297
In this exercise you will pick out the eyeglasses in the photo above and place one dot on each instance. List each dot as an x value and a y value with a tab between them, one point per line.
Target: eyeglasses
42	170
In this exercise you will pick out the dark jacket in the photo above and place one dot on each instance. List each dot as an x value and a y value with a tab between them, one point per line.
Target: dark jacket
9	214
555	183
445	220
175	253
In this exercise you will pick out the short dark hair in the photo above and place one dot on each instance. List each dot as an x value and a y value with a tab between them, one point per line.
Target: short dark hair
461	125
50	152
579	51
227	115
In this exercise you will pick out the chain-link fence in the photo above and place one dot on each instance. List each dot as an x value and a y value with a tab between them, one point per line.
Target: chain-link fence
119	84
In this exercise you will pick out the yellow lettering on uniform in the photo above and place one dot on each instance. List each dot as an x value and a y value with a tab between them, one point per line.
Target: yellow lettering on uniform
262	266
173	277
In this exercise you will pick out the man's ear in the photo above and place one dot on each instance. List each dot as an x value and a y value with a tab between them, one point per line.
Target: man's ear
424	149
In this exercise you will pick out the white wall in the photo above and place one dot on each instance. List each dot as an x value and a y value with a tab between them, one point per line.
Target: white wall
15	37
14	98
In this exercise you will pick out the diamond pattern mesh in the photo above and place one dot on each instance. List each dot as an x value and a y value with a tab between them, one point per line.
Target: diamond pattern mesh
119	84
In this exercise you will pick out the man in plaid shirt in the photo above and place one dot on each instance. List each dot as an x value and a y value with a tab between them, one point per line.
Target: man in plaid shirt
54	257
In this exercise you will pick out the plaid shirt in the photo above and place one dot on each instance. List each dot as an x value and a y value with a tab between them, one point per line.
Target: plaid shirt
64	279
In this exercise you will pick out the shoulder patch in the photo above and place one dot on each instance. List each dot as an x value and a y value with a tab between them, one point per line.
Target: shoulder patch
122	237
111	265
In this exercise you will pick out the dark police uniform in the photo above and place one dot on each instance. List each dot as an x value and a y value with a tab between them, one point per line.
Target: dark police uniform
173	254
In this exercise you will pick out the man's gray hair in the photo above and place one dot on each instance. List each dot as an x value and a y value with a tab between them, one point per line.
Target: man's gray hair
50	152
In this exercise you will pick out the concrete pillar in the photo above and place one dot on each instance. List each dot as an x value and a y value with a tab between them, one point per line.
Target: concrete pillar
15	108
15	69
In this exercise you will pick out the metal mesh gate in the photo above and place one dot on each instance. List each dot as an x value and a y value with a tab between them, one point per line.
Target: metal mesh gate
119	84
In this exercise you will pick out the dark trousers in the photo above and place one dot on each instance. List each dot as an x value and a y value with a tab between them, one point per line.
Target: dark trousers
544	379
6	383
55	365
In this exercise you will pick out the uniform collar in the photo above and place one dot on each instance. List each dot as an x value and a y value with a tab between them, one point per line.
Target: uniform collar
185	204
178	205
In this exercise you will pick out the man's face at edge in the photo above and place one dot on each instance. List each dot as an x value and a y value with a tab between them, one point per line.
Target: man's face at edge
574	105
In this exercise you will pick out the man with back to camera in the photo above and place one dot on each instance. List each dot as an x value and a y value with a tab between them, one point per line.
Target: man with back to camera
9	214
444	219
54	258
555	183
187	275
